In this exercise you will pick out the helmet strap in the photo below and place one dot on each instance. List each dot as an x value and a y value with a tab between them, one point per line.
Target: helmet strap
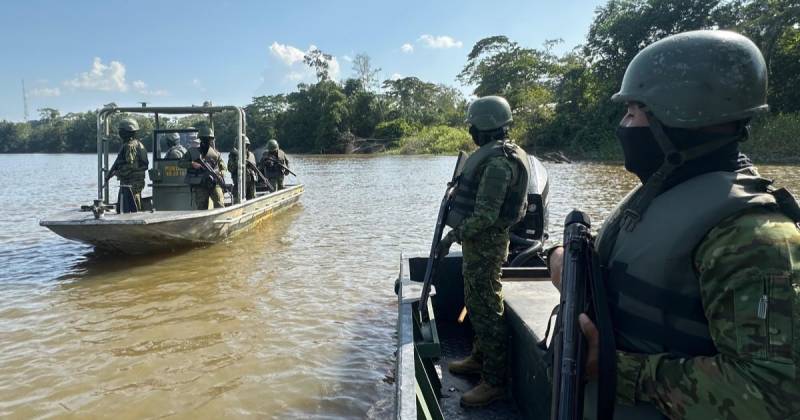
673	158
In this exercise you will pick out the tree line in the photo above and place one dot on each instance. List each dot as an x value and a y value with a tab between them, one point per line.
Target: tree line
560	102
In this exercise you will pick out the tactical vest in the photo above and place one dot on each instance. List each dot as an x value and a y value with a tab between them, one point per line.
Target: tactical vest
652	288
133	162
271	168
468	181
199	176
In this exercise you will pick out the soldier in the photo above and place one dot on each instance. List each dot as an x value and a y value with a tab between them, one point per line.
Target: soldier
702	261
175	151
274	164
192	139
490	197
250	178
131	163
205	184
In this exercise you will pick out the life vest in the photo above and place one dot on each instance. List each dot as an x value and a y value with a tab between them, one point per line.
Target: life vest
515	204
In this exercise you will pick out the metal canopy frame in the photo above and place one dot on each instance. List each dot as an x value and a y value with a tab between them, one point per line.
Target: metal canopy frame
104	131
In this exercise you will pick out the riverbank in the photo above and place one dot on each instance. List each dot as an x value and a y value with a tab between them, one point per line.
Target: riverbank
773	139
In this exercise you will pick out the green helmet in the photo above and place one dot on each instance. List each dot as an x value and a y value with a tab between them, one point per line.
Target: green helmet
698	79
128	124
173	139
272	145
206	132
489	113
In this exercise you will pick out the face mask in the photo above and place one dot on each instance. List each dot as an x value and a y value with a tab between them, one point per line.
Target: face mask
642	154
204	148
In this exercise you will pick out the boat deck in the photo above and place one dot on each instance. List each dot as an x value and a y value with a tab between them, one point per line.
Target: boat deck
528	307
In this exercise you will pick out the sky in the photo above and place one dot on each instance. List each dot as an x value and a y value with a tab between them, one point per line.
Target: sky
78	55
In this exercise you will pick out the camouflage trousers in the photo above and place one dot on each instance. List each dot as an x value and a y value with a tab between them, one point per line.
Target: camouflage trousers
137	185
483	294
249	187
276	182
202	195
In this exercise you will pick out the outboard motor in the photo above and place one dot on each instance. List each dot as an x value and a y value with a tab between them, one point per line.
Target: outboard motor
530	233
125	201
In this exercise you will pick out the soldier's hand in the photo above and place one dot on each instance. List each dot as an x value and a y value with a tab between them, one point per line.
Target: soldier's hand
554	263
196	165
443	248
592	345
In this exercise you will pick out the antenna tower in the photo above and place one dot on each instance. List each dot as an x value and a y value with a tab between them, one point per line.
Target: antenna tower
25	100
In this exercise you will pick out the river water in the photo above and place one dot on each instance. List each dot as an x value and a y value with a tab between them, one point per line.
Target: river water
293	319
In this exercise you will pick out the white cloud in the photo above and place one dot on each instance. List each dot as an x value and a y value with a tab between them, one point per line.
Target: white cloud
395	76
286	53
141	87
442	41
292	57
45	91
407	48
105	77
347	58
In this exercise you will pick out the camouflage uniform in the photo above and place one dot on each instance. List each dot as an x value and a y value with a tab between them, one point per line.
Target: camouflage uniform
746	258
274	173
251	177
175	152
485	248
202	193
130	167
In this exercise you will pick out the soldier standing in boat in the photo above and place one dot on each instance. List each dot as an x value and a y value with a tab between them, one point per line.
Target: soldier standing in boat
250	175
132	162
702	261
205	185
490	197
175	151
274	164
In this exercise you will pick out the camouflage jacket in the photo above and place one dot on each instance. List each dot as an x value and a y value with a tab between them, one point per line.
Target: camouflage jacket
131	162
496	177
749	271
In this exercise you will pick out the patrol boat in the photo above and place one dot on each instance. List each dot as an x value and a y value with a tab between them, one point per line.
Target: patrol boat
168	219
430	337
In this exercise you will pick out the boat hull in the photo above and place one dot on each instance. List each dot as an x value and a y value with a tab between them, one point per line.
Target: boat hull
146	232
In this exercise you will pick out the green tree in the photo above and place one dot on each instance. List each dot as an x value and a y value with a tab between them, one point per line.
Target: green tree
319	62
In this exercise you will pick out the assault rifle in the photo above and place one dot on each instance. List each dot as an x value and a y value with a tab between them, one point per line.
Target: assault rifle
277	162
433	257
582	291
250	165
218	179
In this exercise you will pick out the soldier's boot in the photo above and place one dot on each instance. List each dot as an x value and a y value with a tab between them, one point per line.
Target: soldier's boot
483	395
469	366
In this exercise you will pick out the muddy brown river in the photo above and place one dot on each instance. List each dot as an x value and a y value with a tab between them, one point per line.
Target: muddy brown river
294	319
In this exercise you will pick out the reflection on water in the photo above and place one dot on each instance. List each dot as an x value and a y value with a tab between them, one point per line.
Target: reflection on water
294	319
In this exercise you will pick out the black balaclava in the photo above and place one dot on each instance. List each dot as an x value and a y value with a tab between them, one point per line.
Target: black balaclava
205	144
482	137
643	156
127	135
